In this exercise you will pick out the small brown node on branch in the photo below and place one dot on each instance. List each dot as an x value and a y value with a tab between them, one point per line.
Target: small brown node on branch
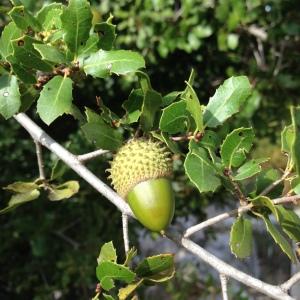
98	288
227	172
198	136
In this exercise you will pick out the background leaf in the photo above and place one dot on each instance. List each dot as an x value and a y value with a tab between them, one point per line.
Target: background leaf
226	101
55	99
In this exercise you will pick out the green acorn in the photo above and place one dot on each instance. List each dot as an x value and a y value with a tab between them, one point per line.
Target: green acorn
140	173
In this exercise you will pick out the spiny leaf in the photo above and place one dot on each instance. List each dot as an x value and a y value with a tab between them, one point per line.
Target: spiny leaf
201	171
107	253
55	99
9	33
108	271
235	147
174	118
125	292
241	237
9	96
227	100
102	63
76	23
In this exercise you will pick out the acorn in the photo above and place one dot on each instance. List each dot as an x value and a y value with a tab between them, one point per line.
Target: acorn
140	173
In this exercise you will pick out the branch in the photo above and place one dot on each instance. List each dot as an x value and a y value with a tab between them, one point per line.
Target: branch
286	286
39	155
72	161
275	183
91	155
238	211
275	292
125	232
224	281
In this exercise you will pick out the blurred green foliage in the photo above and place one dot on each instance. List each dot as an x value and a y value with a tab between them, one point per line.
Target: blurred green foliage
48	248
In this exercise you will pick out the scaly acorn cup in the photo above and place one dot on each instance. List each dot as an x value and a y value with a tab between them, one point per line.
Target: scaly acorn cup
140	173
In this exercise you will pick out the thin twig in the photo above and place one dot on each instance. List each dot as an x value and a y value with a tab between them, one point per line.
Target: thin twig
286	286
238	211
39	155
274	292
91	155
224	281
269	188
71	160
125	232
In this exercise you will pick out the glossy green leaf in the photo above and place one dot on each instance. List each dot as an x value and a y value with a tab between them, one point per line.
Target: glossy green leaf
63	191
170	98
289	222
125	292
49	16
151	104
133	106
91	46
210	140
93	117
235	146
24	19
9	96
174	118
156	268
107	35
9	33
241	237
249	169
165	138
25	74
48	11
26	55
108	271
19	199
76	23
263	201
279	239
107	253
55	99
103	63
194	107
201	171
21	187
50	53
295	112
103	136
227	100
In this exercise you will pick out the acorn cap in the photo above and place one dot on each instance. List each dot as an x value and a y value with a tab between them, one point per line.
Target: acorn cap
137	161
